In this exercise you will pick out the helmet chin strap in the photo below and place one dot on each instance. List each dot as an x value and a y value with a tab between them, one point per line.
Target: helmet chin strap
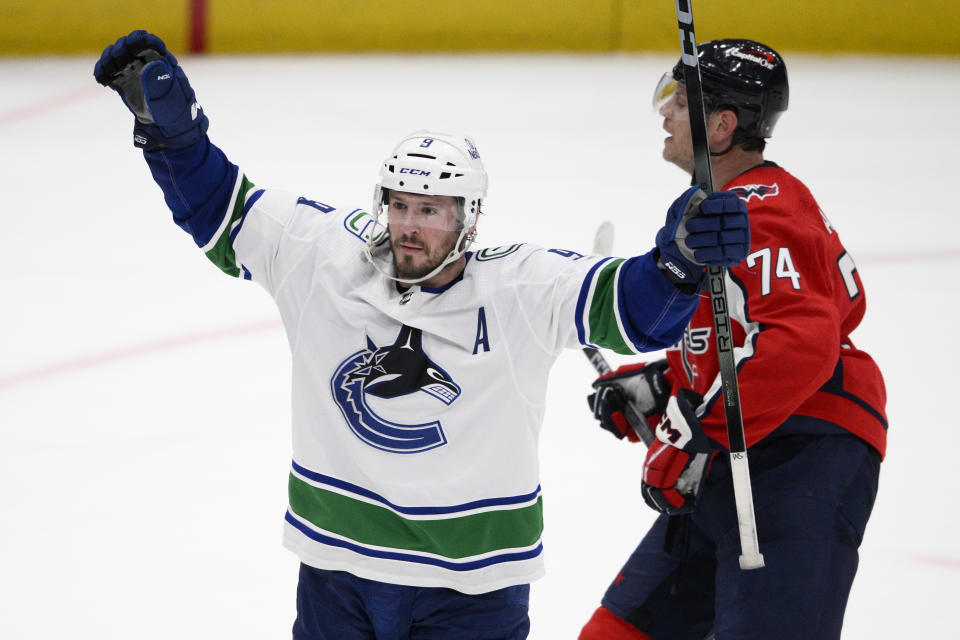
725	151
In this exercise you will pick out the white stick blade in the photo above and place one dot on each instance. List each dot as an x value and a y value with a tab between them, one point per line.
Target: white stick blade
603	240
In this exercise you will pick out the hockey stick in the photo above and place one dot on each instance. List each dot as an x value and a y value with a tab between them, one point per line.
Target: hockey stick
602	245
750	556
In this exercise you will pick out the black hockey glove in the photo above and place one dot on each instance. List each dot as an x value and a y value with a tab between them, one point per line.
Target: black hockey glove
155	89
642	385
678	459
702	230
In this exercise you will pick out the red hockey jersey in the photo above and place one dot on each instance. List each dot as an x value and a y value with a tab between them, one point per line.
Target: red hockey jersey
793	303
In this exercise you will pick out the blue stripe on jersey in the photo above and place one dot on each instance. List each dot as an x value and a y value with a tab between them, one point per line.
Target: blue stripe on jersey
469	506
409	557
582	301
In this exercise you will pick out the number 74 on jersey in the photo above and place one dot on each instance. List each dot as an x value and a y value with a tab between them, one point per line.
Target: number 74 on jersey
784	269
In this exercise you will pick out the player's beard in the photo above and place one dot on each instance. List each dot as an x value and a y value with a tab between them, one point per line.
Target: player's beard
407	269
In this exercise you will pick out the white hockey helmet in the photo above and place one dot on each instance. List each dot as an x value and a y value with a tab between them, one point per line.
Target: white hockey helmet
431	163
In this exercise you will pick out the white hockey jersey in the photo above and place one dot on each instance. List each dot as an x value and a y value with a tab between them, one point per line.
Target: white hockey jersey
416	413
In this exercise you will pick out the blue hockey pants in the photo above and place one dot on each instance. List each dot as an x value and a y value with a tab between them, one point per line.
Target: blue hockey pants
813	495
334	605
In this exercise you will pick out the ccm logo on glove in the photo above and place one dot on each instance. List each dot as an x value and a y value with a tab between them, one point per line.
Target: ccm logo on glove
678	460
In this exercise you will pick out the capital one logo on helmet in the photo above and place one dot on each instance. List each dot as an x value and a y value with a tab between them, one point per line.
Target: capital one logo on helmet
759	57
389	372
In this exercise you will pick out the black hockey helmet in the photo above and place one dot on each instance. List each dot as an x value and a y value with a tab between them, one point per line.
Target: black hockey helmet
746	75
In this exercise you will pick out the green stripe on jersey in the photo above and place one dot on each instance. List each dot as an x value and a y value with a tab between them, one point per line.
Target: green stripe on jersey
604	328
454	537
222	254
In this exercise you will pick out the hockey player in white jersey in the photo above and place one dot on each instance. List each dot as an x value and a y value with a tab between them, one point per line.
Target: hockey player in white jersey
419	366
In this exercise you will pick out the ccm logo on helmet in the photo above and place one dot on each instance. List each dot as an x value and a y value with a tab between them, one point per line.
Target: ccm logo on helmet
414	172
762	59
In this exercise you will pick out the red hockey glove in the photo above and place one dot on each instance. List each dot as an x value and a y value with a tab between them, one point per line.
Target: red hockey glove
678	459
642	385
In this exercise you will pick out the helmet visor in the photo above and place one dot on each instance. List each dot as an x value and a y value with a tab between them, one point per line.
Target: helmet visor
404	209
664	91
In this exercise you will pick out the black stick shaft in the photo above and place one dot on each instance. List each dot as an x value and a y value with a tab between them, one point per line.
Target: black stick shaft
703	176
597	360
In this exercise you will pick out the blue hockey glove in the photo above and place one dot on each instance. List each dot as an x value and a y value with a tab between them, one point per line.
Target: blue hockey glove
642	385
702	230
678	459
155	89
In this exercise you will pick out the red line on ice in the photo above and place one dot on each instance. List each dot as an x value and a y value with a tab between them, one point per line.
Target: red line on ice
913	255
943	562
49	103
134	351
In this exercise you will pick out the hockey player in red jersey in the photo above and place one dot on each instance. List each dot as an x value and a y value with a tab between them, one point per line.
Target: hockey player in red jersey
812	402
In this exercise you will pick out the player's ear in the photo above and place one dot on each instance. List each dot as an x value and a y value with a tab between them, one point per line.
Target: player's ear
720	127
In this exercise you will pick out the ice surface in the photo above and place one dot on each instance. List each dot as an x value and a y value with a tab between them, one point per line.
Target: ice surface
144	419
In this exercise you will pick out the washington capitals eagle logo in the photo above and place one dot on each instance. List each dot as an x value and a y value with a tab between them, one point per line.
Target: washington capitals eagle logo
760	191
399	369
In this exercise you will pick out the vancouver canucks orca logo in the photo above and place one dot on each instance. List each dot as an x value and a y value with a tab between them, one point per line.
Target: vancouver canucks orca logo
399	369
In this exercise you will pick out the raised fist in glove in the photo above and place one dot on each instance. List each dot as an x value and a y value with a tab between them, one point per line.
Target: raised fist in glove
641	385
678	458
155	89
702	230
